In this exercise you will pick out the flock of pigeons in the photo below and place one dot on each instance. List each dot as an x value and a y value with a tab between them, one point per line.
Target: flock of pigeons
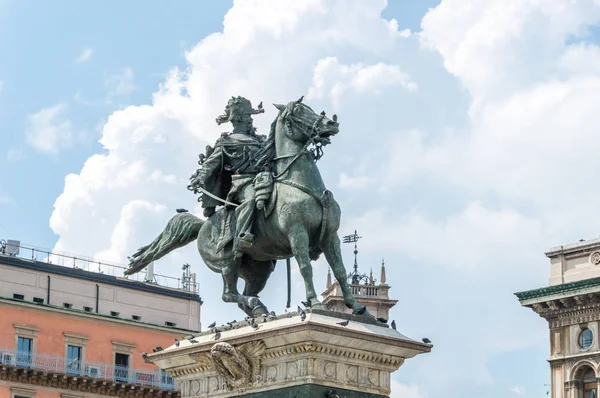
255	323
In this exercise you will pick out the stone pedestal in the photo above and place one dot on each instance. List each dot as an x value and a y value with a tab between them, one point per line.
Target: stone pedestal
286	356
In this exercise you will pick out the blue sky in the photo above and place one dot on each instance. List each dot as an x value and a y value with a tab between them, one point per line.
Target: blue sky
467	147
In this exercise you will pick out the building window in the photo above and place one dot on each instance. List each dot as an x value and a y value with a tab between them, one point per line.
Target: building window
38	300
74	352
123	359
24	351
585	338
590	384
121	367
74	358
88	309
67	305
114	313
170	324
18	296
25	337
136	317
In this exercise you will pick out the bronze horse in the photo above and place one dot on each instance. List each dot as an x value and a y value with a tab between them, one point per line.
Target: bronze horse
303	221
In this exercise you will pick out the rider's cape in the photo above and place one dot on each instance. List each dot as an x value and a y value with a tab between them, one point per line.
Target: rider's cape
233	154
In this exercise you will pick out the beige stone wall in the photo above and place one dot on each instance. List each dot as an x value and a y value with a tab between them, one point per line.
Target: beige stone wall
150	307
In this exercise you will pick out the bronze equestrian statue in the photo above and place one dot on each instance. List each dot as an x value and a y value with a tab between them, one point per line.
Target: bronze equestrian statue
274	205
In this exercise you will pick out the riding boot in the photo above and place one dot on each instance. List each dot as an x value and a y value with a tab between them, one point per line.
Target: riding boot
244	243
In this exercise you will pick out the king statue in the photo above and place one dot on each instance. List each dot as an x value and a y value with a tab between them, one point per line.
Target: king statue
228	170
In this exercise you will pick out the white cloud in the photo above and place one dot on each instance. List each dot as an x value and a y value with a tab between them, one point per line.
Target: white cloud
6	199
85	55
518	390
465	211
120	84
49	130
334	80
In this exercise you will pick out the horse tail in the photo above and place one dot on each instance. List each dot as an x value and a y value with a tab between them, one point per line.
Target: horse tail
182	229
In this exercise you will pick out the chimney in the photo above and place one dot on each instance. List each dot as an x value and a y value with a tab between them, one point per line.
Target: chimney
328	279
382	278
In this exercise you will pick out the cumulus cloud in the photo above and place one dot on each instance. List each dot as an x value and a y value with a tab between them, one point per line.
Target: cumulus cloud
49	130
400	390
334	80
84	56
457	211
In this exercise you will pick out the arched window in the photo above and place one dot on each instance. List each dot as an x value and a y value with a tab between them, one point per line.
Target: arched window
589	383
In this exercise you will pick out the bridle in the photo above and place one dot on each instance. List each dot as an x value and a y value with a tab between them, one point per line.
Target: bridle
311	131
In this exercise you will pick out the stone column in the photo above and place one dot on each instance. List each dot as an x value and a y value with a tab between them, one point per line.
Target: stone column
288	355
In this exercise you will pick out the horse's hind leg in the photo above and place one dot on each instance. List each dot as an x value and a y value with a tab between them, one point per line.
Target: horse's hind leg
231	294
300	249
333	254
255	283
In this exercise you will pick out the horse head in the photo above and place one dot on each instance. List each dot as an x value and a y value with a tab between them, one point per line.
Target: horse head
303	125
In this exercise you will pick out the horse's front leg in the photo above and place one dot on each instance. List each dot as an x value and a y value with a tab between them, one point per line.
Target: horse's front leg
333	254
300	246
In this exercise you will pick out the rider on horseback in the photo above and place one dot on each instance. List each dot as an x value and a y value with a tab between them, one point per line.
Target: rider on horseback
228	170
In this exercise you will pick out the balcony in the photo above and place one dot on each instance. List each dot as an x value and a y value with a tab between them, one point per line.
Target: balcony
49	364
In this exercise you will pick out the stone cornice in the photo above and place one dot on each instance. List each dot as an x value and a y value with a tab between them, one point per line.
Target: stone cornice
344	352
81	383
570	288
105	319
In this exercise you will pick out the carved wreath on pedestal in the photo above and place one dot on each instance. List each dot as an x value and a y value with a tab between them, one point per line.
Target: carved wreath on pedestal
239	366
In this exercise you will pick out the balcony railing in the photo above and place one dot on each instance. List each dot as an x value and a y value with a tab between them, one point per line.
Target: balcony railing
368	291
75	367
38	254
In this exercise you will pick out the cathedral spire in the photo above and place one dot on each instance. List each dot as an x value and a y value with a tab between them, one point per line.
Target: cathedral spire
328	279
382	278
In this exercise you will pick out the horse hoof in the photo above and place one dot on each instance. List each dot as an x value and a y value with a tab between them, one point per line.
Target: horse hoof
360	311
318	306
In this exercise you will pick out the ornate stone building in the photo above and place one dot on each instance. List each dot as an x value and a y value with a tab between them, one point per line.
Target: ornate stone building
571	305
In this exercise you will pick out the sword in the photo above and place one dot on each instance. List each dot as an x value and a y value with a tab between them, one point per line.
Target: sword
205	192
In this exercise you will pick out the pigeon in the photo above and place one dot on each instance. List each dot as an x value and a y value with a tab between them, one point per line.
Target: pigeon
426	340
382	320
157	349
332	394
181	210
260	105
144	355
303	316
289	315
255	326
230	325
194	341
306	304
300	310
394	325
272	313
217	335
212	325
343	323
176	343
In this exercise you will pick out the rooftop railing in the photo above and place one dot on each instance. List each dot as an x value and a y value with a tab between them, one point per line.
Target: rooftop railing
75	367
44	255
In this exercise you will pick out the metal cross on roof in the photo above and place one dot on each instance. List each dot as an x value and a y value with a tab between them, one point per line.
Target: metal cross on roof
355	277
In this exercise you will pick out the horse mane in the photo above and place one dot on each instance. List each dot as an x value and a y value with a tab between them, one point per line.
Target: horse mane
267	153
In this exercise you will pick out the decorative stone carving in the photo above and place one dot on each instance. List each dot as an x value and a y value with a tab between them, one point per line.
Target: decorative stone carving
595	258
239	366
